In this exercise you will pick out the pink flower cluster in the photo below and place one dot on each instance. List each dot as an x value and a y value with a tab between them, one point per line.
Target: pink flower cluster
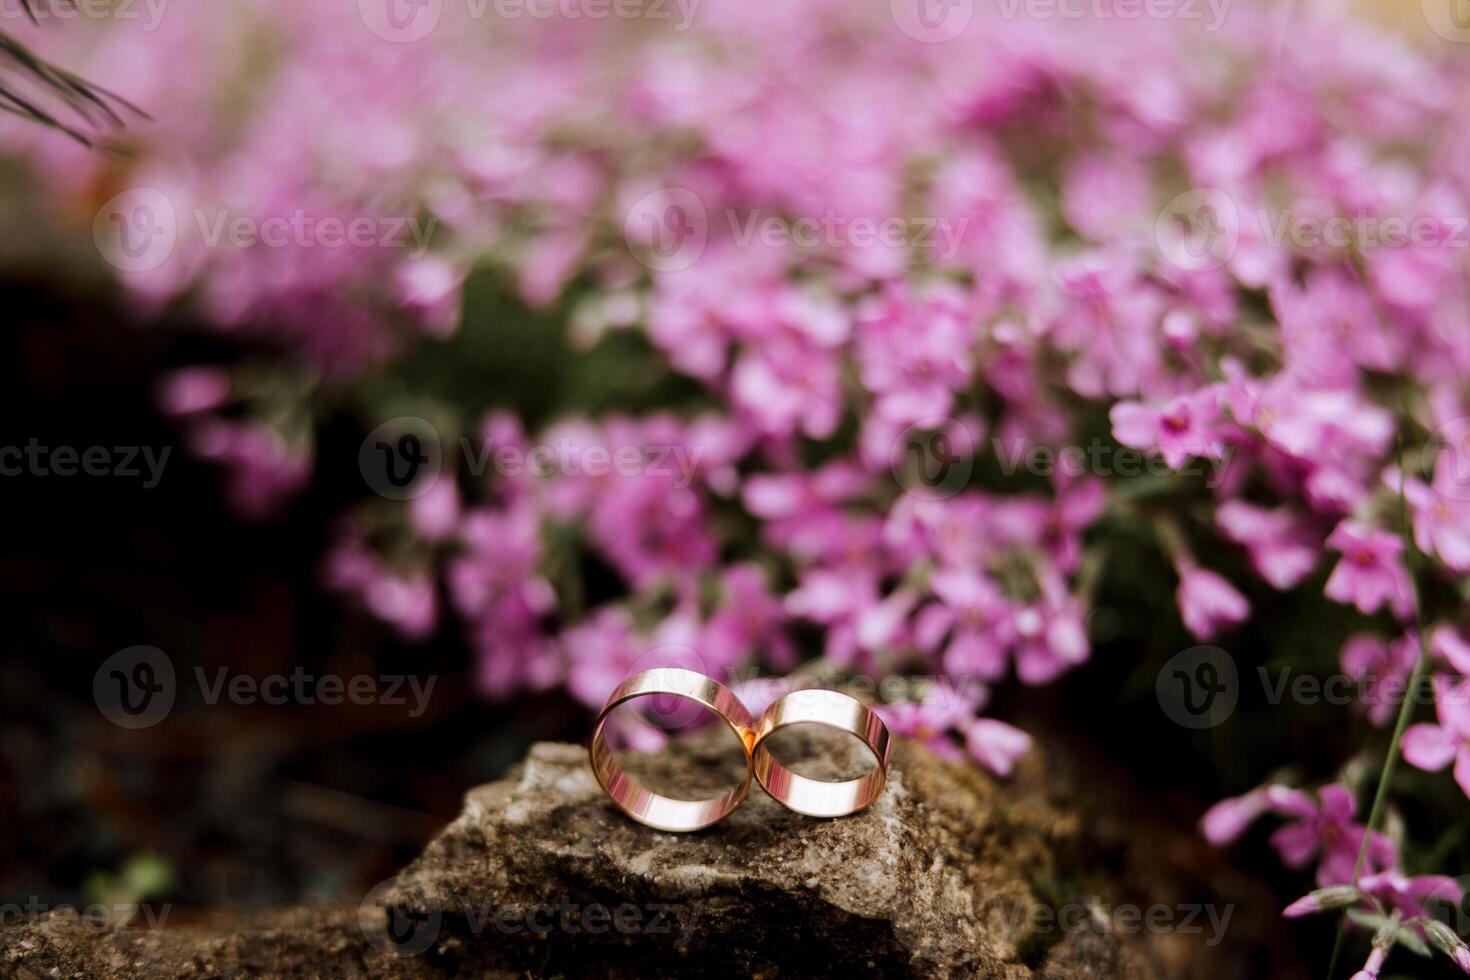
1089	225
1355	868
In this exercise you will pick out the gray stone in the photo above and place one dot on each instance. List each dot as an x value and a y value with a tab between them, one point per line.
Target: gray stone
936	879
948	874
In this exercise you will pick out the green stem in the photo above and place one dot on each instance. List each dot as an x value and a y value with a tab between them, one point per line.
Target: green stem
1406	710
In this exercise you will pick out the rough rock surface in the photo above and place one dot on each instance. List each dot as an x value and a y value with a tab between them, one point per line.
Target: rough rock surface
948	874
937	878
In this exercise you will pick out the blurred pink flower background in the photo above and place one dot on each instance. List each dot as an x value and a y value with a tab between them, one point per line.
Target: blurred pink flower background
883	257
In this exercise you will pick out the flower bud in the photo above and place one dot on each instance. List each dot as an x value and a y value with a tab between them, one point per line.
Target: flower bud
1333	897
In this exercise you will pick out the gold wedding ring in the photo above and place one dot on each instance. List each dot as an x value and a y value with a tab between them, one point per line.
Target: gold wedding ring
813	797
645	806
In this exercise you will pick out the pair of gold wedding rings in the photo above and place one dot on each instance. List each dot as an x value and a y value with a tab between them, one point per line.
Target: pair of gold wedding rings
811	797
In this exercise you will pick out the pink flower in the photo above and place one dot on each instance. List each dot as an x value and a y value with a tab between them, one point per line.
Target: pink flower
748	623
1180	429
1076	507
1102	193
1228	819
1324	829
996	745
193	390
1330	328
406	599
972	611
429	289
1374	966
1050	635
1207	602
1450	644
651	529
1371	572
1322	900
932	721
884	625
601	654
409	603
435	512
1411	896
264	470
914	352
1441	515
836	599
1382	671
1282	550
1433	747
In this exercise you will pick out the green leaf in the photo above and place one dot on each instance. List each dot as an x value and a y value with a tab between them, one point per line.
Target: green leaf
1369	920
1411	940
